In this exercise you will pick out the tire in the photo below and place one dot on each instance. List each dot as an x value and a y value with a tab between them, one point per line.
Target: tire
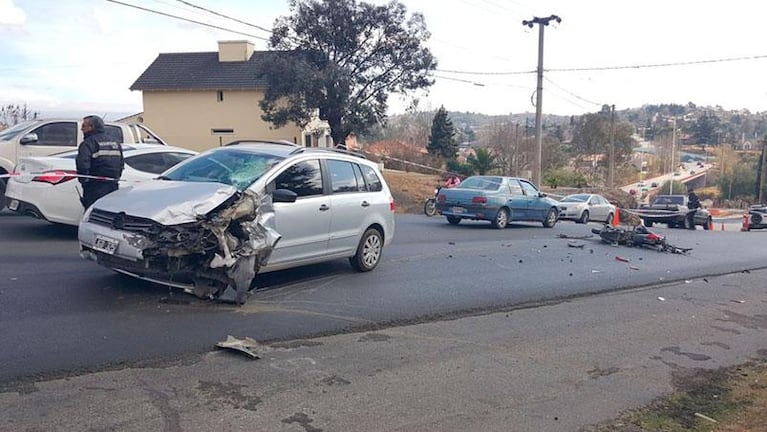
368	251
609	220
2	193
501	219
708	224
551	218
584	217
453	220
430	207
648	224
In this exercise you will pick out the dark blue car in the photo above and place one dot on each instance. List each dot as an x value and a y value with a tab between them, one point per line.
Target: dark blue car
497	199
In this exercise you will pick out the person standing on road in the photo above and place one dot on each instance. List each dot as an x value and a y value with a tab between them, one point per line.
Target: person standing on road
693	204
98	156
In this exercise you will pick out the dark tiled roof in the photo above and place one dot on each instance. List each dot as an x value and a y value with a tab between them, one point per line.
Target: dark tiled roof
201	71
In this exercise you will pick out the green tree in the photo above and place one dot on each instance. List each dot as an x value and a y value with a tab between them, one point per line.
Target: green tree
482	160
705	129
442	138
343	58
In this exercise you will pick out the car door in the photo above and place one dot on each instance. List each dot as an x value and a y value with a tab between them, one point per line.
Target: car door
596	209
536	210
52	137
517	200
351	203
305	223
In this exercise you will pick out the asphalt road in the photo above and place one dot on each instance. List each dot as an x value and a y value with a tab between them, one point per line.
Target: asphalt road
63	316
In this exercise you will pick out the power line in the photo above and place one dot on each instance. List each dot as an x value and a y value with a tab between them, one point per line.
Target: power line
224	16
187	19
603	68
571	93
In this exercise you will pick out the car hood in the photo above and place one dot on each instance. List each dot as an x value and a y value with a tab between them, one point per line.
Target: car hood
167	202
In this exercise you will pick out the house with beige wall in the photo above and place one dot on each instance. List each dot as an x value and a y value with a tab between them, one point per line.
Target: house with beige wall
202	100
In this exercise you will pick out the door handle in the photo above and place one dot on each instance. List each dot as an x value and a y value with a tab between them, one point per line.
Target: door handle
365	204
324	207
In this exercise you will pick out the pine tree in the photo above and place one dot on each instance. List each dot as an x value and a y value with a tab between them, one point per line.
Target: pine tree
442	139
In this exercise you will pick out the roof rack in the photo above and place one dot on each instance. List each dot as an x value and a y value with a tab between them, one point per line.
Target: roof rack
262	141
327	150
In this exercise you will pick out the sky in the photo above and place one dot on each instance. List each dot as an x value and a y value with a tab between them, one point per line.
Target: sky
83	55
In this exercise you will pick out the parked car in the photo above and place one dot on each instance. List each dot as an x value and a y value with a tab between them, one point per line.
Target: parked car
672	210
757	217
497	199
46	187
585	207
654	184
44	137
220	218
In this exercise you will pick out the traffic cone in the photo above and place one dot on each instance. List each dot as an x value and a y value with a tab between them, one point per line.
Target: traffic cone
710	225
616	217
745	223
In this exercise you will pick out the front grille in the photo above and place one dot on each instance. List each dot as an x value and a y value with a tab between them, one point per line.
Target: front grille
122	221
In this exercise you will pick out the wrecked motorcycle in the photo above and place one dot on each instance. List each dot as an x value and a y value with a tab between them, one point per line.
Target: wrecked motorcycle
637	236
430	205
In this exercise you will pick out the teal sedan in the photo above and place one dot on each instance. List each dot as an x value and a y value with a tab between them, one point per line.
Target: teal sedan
497	199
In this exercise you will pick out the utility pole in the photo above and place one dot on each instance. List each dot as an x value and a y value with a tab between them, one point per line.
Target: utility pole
673	166
542	23
611	173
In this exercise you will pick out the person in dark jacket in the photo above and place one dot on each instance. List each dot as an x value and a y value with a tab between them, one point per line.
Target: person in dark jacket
99	161
693	204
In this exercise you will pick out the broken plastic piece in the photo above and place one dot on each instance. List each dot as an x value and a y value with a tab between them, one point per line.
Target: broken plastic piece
634	268
246	346
661	299
620	258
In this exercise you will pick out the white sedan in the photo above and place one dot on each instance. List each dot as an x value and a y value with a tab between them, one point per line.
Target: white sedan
46	187
585	207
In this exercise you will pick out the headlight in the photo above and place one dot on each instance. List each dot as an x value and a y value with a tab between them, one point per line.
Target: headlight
87	214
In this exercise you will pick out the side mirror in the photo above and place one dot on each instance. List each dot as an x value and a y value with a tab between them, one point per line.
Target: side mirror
542	195
29	138
284	196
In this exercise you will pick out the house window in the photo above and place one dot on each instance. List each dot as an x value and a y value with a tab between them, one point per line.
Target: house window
308	140
220	95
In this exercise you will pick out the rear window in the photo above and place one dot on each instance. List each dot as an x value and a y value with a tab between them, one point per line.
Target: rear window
481	183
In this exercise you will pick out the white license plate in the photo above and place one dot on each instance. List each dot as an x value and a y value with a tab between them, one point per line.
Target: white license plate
105	244
13	205
458	209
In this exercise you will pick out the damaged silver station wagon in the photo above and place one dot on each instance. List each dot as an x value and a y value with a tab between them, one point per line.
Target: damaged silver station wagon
211	223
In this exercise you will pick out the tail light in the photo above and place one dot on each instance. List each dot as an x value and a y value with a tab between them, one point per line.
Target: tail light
654	237
479	200
55	177
392	205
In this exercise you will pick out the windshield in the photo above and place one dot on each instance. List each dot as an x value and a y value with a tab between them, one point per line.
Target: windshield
481	183
11	132
575	198
230	166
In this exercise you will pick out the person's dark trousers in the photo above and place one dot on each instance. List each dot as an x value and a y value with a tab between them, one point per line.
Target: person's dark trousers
95	190
691	219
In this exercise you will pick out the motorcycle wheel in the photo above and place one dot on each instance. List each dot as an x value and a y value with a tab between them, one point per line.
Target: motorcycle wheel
430	207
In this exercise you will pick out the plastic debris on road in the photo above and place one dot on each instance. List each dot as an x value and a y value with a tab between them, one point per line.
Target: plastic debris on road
246	346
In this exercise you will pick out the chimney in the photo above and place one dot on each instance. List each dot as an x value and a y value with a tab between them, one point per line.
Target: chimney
234	51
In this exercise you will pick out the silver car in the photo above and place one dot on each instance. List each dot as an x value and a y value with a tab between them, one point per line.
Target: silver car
585	207
211	223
